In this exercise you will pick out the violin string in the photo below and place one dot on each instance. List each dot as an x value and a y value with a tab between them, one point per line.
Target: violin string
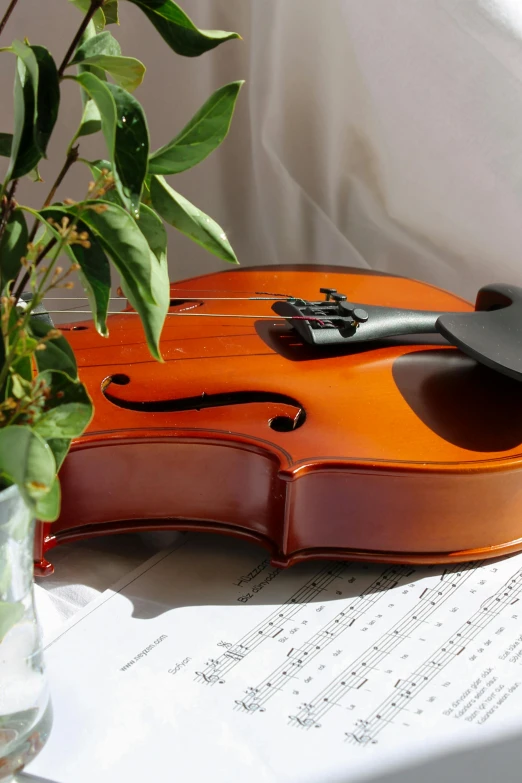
211	315
185	299
226	291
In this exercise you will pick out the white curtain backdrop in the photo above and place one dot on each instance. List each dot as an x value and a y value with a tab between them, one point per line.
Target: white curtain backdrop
378	133
382	133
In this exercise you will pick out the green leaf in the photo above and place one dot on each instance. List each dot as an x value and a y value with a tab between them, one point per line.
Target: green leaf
111	12
131	151
58	354
37	98
6	143
25	89
96	45
103	52
68	410
178	31
152	228
180	213
34	175
59	447
95	277
127	248
48	507
26	460
48	98
10	614
126	135
127	72
145	195
99	16
94	272
201	136
90	122
118	234
13	245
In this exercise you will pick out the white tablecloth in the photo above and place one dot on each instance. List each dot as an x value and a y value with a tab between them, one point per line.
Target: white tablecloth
85	569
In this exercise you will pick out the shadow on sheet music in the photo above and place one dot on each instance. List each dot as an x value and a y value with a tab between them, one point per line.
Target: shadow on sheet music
497	760
211	569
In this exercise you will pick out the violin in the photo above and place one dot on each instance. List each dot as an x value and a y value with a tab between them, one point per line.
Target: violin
323	412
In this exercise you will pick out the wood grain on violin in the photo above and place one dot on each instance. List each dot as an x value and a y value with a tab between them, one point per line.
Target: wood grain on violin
403	451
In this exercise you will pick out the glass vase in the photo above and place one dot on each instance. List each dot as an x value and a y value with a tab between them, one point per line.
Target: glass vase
25	706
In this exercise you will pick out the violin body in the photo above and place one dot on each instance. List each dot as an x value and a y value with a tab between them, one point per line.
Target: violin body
400	451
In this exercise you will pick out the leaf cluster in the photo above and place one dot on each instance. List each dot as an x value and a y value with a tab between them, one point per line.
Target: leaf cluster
119	226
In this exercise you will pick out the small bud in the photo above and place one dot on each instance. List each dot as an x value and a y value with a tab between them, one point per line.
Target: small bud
68	285
41	347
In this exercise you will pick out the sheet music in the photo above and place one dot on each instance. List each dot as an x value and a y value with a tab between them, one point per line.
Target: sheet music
208	662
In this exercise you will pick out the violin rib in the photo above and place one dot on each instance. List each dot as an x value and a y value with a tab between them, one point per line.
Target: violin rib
402	451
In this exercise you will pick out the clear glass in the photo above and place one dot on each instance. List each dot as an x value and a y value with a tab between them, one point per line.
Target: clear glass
25	706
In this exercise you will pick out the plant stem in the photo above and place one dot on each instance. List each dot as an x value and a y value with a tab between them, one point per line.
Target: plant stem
95	5
39	258
7	15
72	157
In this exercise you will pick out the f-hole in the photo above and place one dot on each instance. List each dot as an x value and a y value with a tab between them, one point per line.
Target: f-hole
282	423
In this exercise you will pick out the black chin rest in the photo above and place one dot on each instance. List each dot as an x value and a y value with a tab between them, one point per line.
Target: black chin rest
493	333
